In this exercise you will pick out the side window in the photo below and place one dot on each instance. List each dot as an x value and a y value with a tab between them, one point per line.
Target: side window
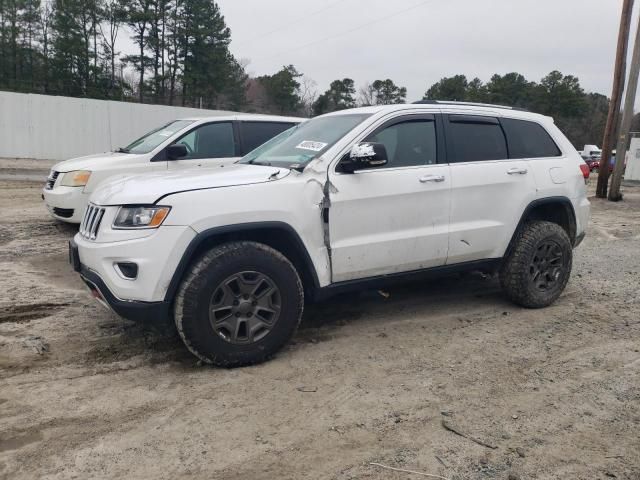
475	138
528	139
212	140
408	143
255	134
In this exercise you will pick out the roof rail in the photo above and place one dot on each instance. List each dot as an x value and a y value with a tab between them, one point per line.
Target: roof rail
471	104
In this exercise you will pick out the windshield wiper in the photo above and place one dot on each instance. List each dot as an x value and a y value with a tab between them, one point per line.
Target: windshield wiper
253	162
122	150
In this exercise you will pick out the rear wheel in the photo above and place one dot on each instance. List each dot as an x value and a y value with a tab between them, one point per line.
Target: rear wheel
240	303
538	267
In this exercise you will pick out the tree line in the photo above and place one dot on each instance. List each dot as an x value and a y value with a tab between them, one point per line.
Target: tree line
580	115
70	47
182	57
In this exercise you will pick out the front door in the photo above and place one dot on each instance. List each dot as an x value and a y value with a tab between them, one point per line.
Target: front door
208	145
394	218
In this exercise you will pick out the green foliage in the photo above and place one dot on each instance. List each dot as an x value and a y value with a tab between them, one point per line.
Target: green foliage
340	96
283	90
19	36
511	89
382	92
581	116
451	88
69	47
210	71
73	30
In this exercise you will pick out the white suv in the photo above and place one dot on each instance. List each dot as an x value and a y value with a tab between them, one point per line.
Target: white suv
349	200
186	143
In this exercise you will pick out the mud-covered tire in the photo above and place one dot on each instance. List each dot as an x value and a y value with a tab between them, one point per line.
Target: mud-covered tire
529	275
243	262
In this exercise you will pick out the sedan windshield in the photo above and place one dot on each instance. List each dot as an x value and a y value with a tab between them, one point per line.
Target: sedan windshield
299	145
155	137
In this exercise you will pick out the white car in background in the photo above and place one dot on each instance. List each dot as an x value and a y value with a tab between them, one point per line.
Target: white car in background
181	144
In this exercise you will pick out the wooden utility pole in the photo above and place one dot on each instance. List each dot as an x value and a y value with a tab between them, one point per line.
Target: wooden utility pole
627	117
616	97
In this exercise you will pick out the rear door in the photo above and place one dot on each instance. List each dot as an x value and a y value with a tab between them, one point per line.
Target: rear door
489	190
209	144
531	142
254	134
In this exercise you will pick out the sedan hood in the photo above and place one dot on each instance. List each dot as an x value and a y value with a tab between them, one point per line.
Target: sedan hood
99	161
150	187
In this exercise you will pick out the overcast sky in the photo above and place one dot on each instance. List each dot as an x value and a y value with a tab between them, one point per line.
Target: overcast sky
417	42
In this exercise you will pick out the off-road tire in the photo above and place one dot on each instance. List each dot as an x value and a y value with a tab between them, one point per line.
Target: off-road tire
192	303
519	267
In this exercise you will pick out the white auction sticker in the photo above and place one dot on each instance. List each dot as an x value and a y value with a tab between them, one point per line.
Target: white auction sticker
310	145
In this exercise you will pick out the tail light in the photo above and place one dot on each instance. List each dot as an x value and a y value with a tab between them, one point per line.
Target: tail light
584	168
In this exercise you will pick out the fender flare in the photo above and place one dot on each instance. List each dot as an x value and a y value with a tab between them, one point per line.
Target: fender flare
559	200
202	237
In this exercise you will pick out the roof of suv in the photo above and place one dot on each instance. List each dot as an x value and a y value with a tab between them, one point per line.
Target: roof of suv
247	117
437	106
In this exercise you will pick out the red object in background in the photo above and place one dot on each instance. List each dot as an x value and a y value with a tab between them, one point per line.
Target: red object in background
593	163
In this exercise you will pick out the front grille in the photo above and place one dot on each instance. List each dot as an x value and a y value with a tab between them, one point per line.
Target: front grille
91	222
51	180
63	212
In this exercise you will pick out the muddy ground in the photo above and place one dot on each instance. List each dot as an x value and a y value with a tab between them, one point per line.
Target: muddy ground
544	394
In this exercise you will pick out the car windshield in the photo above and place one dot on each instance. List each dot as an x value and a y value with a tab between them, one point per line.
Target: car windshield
299	145
151	140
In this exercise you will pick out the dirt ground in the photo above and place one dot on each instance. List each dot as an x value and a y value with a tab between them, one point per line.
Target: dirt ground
544	394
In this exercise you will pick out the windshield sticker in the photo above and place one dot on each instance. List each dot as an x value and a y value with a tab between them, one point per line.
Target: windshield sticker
165	133
310	145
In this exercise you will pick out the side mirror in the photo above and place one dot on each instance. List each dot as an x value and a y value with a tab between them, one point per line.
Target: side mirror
176	151
364	155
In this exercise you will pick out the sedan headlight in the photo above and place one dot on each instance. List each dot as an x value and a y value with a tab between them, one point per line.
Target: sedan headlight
78	178
140	217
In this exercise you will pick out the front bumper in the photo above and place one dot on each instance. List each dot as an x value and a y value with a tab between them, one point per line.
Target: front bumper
129	309
156	255
66	203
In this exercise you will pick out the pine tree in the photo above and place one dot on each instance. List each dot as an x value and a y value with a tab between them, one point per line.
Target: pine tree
382	92
282	90
208	63
341	95
30	26
139	15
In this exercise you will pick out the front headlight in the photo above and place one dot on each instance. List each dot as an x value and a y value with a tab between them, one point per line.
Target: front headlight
140	217
78	178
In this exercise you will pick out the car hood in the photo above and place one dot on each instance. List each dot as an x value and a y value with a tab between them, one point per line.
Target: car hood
150	187
95	162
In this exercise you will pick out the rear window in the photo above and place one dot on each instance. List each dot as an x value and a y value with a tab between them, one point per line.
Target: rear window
528	139
474	139
255	134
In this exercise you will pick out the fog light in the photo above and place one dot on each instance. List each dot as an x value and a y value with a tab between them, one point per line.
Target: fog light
129	270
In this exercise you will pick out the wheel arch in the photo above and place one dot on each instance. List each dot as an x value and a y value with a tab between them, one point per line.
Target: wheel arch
278	235
553	209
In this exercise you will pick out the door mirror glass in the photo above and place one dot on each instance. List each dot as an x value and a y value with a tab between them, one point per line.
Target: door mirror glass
176	151
364	155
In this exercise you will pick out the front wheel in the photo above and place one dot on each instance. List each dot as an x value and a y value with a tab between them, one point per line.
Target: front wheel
239	304
537	269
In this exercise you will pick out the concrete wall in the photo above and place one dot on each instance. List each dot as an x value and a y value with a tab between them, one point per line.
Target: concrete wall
58	128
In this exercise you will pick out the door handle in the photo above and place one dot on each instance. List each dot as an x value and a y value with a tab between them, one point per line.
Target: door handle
432	178
517	171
